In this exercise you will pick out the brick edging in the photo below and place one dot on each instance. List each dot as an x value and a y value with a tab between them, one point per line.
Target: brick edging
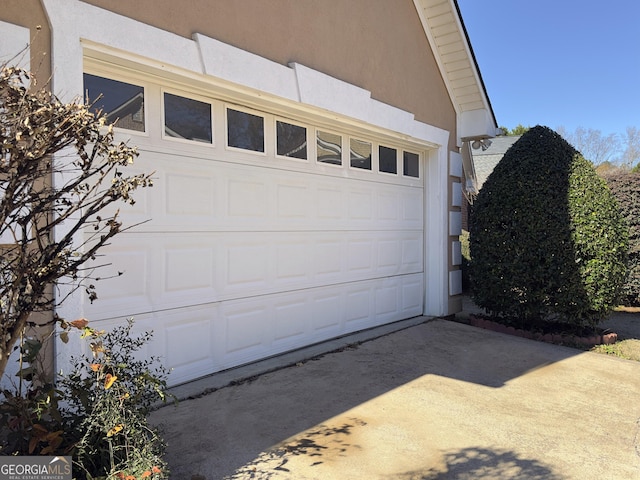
557	338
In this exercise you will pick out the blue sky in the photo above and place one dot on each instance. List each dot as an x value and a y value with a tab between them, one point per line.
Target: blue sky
558	63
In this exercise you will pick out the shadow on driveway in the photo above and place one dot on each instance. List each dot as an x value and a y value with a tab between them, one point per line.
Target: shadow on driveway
483	464
433	398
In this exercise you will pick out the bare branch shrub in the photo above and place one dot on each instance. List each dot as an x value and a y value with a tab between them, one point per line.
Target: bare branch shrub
60	168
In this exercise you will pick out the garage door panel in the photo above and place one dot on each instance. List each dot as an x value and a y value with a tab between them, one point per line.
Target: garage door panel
177	270
387	300
190	194
291	322
359	259
197	340
159	272
247	198
246	256
412	254
188	341
412	295
264	326
293	201
389	255
330	203
125	268
283	261
143	323
142	208
291	260
182	194
413	208
245	326
327	260
359	305
219	196
327	312
188	269
247	264
389	205
360	206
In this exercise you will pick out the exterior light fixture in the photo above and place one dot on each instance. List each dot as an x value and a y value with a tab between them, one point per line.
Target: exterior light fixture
483	143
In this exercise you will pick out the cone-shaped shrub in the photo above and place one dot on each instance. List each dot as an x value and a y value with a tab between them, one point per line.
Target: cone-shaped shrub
547	240
626	188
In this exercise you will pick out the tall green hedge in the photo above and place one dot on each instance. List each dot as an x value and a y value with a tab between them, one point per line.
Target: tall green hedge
626	189
547	239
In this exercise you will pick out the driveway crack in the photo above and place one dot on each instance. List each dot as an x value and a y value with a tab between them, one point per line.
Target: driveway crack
636	439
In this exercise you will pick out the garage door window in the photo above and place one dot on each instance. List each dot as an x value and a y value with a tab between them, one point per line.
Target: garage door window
329	148
122	103
388	159
291	140
191	118
245	130
360	154
411	165
187	118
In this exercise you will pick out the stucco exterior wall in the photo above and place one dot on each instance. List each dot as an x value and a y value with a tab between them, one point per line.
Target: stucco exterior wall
388	52
30	14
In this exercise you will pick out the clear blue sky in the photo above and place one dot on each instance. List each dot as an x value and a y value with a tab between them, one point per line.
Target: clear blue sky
558	63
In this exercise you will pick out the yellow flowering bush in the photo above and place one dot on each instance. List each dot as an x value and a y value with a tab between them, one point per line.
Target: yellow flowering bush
97	413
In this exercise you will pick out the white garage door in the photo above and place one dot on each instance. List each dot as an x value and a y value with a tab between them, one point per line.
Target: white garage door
267	234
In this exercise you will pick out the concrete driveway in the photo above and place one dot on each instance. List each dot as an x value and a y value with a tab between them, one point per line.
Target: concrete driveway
435	399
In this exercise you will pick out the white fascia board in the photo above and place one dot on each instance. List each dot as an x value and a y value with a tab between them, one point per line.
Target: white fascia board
14	47
475	124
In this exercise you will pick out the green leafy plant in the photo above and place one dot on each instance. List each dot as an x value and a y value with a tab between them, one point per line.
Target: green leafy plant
30	421
97	413
626	188
109	406
547	240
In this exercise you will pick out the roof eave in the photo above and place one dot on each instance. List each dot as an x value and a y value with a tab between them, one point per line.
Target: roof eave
445	30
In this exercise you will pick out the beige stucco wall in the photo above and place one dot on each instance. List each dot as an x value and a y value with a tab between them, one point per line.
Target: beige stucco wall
378	45
30	14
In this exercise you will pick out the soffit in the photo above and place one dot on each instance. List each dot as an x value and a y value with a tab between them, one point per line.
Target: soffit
447	35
